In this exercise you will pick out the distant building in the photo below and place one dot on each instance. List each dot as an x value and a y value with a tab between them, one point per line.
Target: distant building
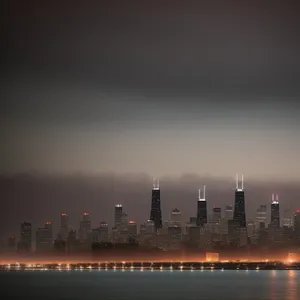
297	224
118	214
64	226
103	232
85	229
155	213
261	216
26	237
239	214
228	215
132	230
216	215
201	209
44	239
193	221
275	212
287	218
175	219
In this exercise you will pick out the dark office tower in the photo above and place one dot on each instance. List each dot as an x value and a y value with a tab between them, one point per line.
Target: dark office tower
297	225
275	212
44	237
201	209
155	214
64	226
26	235
239	215
85	227
118	214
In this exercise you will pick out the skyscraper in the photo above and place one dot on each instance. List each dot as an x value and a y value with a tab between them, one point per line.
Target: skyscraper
201	209
44	237
155	213
228	212
216	215
26	236
118	214
261	217
297	224
85	227
275	211
64	226
239	214
175	219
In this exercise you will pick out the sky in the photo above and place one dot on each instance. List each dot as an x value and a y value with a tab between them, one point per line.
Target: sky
154	87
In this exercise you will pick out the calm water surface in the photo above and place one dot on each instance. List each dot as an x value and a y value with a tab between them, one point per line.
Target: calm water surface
138	285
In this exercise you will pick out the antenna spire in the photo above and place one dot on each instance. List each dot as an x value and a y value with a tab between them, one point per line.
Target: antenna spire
204	192
277	197
237	181
153	183
242	182
199	194
158	184
273	197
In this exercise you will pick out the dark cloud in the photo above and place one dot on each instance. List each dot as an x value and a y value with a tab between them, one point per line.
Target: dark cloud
195	46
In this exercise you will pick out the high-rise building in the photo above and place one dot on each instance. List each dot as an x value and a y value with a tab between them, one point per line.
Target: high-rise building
275	211
239	214
64	226
216	215
85	228
201	209
287	218
26	236
228	212
132	230
44	239
118	214
155	213
297	224
175	219
261	216
103	232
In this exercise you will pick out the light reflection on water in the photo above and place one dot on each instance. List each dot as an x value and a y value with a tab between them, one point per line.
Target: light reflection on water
166	284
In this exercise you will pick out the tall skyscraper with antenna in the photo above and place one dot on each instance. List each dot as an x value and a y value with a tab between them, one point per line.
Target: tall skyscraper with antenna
201	209
275	211
155	213
239	214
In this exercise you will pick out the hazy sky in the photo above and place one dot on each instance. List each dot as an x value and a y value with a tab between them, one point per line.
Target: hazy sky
141	86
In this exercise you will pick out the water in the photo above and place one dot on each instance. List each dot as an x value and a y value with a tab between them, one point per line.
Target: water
146	285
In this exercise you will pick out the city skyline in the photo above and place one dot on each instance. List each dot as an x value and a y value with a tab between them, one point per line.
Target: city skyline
206	211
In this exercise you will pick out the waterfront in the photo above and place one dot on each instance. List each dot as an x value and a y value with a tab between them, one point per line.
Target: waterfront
165	284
